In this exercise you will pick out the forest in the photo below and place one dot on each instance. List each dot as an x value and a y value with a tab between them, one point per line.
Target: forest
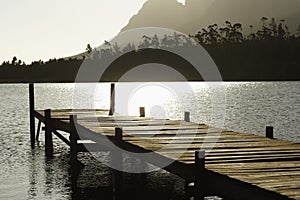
270	53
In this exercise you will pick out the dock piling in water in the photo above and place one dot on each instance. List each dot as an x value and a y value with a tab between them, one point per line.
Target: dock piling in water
112	99
48	133
199	185
31	114
73	139
38	130
117	159
119	134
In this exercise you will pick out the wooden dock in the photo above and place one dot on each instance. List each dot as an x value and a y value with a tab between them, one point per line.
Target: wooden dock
237	165
212	161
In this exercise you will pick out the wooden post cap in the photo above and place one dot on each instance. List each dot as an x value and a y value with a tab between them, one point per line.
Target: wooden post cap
187	116
142	112
269	132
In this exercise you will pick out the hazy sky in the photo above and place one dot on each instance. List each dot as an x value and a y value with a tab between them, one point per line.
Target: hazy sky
43	29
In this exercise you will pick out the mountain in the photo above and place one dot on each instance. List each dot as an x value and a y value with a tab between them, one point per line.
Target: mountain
161	13
196	14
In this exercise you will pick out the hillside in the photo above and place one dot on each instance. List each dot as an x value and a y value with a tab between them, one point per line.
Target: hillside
195	14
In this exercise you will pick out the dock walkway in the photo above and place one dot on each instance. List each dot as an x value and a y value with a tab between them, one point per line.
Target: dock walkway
237	165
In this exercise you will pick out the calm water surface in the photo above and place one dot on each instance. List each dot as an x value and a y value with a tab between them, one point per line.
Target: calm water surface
26	174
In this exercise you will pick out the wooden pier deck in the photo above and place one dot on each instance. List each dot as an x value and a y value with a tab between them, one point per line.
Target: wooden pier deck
237	165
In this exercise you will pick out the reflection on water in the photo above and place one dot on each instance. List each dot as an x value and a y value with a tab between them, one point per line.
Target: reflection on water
26	174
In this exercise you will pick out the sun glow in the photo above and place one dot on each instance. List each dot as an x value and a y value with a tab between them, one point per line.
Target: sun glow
181	1
152	96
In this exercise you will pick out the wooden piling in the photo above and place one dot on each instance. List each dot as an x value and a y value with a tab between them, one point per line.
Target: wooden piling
118	135
199	185
31	114
75	165
117	164
48	133
142	112
73	139
187	116
269	132
38	130
112	99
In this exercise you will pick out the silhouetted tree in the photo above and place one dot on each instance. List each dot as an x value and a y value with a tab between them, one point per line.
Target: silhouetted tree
145	43
107	43
88	48
198	37
273	27
298	32
106	53
232	33
252	35
164	41
266	32
281	32
116	48
13	62
129	47
155	41
177	39
211	35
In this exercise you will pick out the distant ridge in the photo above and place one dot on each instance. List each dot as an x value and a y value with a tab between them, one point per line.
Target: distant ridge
197	14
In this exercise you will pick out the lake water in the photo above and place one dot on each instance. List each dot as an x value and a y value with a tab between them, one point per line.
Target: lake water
26	174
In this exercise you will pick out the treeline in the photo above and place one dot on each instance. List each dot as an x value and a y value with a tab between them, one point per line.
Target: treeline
268	53
54	70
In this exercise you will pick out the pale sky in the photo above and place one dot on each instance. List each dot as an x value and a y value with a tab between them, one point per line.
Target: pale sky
44	29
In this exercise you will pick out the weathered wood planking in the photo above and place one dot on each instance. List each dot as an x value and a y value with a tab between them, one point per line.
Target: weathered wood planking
273	165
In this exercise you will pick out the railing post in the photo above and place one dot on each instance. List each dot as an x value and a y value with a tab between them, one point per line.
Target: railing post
142	112
31	114
187	116
73	139
117	160
48	133
199	175
112	99
269	132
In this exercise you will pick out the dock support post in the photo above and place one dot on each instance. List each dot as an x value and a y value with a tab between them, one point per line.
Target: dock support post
269	132
142	112
117	160
200	189
48	134
75	165
31	114
73	140
187	116
38	130
112	99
